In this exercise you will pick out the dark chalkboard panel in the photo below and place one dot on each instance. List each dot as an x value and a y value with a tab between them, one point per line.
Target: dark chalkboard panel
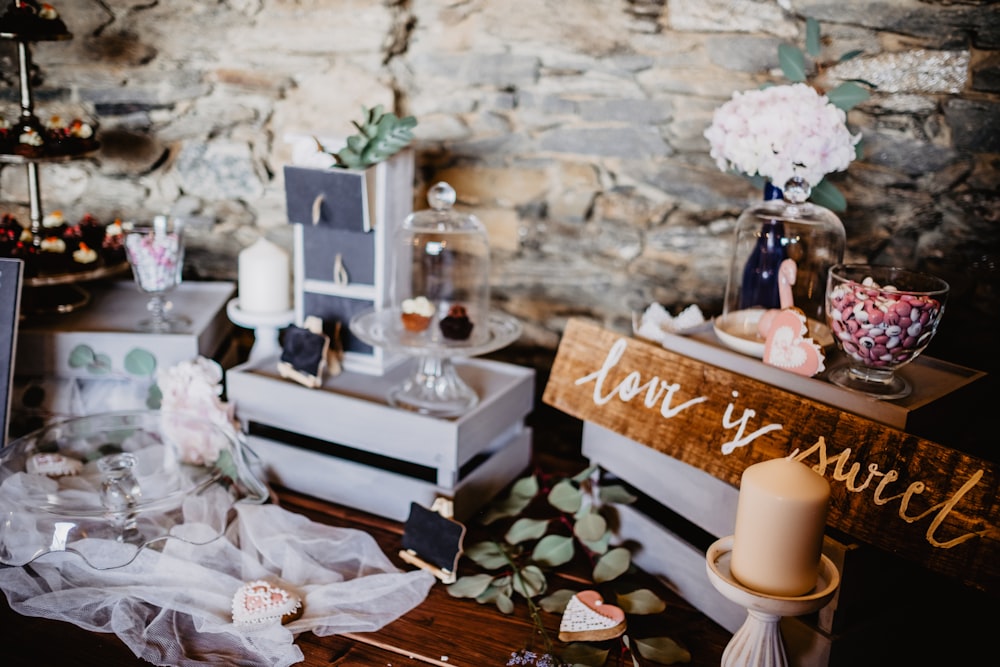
10	307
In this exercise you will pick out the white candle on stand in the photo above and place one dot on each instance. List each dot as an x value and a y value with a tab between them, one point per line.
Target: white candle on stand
263	286
780	519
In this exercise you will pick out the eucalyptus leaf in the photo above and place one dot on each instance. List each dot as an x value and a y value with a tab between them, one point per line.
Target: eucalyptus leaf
470	586
566	497
612	565
590	527
847	95
491	593
663	650
530	581
526	487
140	362
600	545
579	653
641	602
553	550
616	493
850	55
792	62
227	465
556	602
505	604
526	529
813	44
584	474
80	356
826	194
154	399
509	506
487	555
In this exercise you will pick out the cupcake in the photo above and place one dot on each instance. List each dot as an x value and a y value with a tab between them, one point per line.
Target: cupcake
84	257
456	325
417	314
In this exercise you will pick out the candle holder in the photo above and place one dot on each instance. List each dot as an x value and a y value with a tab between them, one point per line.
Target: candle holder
758	642
266	326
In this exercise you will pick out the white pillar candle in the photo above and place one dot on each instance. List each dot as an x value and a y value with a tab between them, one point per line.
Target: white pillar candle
263	286
780	519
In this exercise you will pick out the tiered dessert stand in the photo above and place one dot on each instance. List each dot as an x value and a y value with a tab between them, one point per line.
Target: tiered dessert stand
52	292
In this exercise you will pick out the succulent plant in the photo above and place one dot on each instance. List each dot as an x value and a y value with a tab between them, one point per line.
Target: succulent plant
380	136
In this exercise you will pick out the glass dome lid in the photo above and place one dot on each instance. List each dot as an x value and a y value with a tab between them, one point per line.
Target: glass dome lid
106	486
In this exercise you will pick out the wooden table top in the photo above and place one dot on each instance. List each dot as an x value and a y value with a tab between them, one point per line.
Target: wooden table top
443	630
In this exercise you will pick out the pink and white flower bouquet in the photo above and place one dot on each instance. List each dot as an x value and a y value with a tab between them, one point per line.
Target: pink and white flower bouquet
194	388
781	132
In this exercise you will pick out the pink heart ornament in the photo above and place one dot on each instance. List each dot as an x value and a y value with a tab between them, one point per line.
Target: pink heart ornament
788	348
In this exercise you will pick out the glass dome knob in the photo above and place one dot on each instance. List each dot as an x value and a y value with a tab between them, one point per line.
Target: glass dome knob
441	196
797	190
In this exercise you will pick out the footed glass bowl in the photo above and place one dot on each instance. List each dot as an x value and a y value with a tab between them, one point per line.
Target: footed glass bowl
106	486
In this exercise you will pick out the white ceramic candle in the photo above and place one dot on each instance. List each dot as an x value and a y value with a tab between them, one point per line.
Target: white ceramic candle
780	519
263	286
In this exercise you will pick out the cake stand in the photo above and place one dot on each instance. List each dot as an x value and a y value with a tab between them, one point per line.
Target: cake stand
435	389
758	642
266	326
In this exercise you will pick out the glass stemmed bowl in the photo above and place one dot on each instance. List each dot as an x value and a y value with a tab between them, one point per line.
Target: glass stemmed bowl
882	318
156	252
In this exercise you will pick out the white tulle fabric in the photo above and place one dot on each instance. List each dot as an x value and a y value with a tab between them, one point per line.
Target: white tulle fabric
174	606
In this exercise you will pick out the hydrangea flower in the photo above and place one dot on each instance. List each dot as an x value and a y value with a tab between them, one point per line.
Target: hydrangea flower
194	388
781	132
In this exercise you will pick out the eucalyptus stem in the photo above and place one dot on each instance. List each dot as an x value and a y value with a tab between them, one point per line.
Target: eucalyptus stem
536	617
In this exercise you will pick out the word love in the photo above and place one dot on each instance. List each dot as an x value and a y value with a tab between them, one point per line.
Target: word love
659	394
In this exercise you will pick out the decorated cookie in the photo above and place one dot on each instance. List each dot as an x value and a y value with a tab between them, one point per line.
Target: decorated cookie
53	465
261	602
588	618
788	348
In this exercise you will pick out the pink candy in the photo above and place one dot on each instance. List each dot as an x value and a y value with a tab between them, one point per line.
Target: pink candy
878	326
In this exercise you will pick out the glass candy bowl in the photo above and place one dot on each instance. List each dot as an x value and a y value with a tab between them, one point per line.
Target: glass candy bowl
106	486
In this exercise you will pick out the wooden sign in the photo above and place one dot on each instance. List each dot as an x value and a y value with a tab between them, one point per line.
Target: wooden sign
10	313
916	498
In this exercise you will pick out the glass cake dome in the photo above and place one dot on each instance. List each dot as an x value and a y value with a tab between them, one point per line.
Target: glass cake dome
106	486
440	275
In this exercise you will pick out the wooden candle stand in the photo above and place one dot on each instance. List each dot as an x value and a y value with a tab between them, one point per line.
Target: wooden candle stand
758	642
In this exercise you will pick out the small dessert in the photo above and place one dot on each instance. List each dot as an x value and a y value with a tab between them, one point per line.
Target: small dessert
53	465
54	223
261	602
588	618
417	313
29	139
84	256
456	325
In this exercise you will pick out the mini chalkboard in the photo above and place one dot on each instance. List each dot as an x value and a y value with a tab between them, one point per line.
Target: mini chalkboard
433	541
10	308
304	353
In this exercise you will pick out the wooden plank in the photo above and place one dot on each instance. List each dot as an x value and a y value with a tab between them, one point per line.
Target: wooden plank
922	500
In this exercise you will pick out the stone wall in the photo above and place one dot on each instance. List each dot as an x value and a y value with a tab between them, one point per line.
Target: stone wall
572	128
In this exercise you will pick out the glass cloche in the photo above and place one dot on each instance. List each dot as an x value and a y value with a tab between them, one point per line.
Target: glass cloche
783	249
108	485
441	274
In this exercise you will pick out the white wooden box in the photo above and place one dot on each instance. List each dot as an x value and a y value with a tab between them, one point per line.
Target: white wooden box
106	330
350	411
386	493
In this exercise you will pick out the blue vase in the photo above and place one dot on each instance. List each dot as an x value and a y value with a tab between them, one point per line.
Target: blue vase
760	273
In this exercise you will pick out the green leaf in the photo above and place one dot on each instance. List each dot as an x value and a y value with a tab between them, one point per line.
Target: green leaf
530	581
140	362
847	95
612	565
154	399
826	194
526	487
510	506
80	356
488	555
590	527
556	602
101	365
793	63
553	550
850	55
616	493
579	653
600	545
812	37
526	529
566	497
584	474
469	587
227	465
663	650
505	604
642	601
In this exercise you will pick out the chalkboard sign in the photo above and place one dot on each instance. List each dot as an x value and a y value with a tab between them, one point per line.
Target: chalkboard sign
10	309
926	502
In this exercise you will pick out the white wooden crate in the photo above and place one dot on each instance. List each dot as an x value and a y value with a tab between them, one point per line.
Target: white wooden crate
350	410
389	494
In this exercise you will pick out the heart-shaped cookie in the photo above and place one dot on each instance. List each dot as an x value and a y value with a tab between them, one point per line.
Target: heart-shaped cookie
260	602
588	618
789	349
